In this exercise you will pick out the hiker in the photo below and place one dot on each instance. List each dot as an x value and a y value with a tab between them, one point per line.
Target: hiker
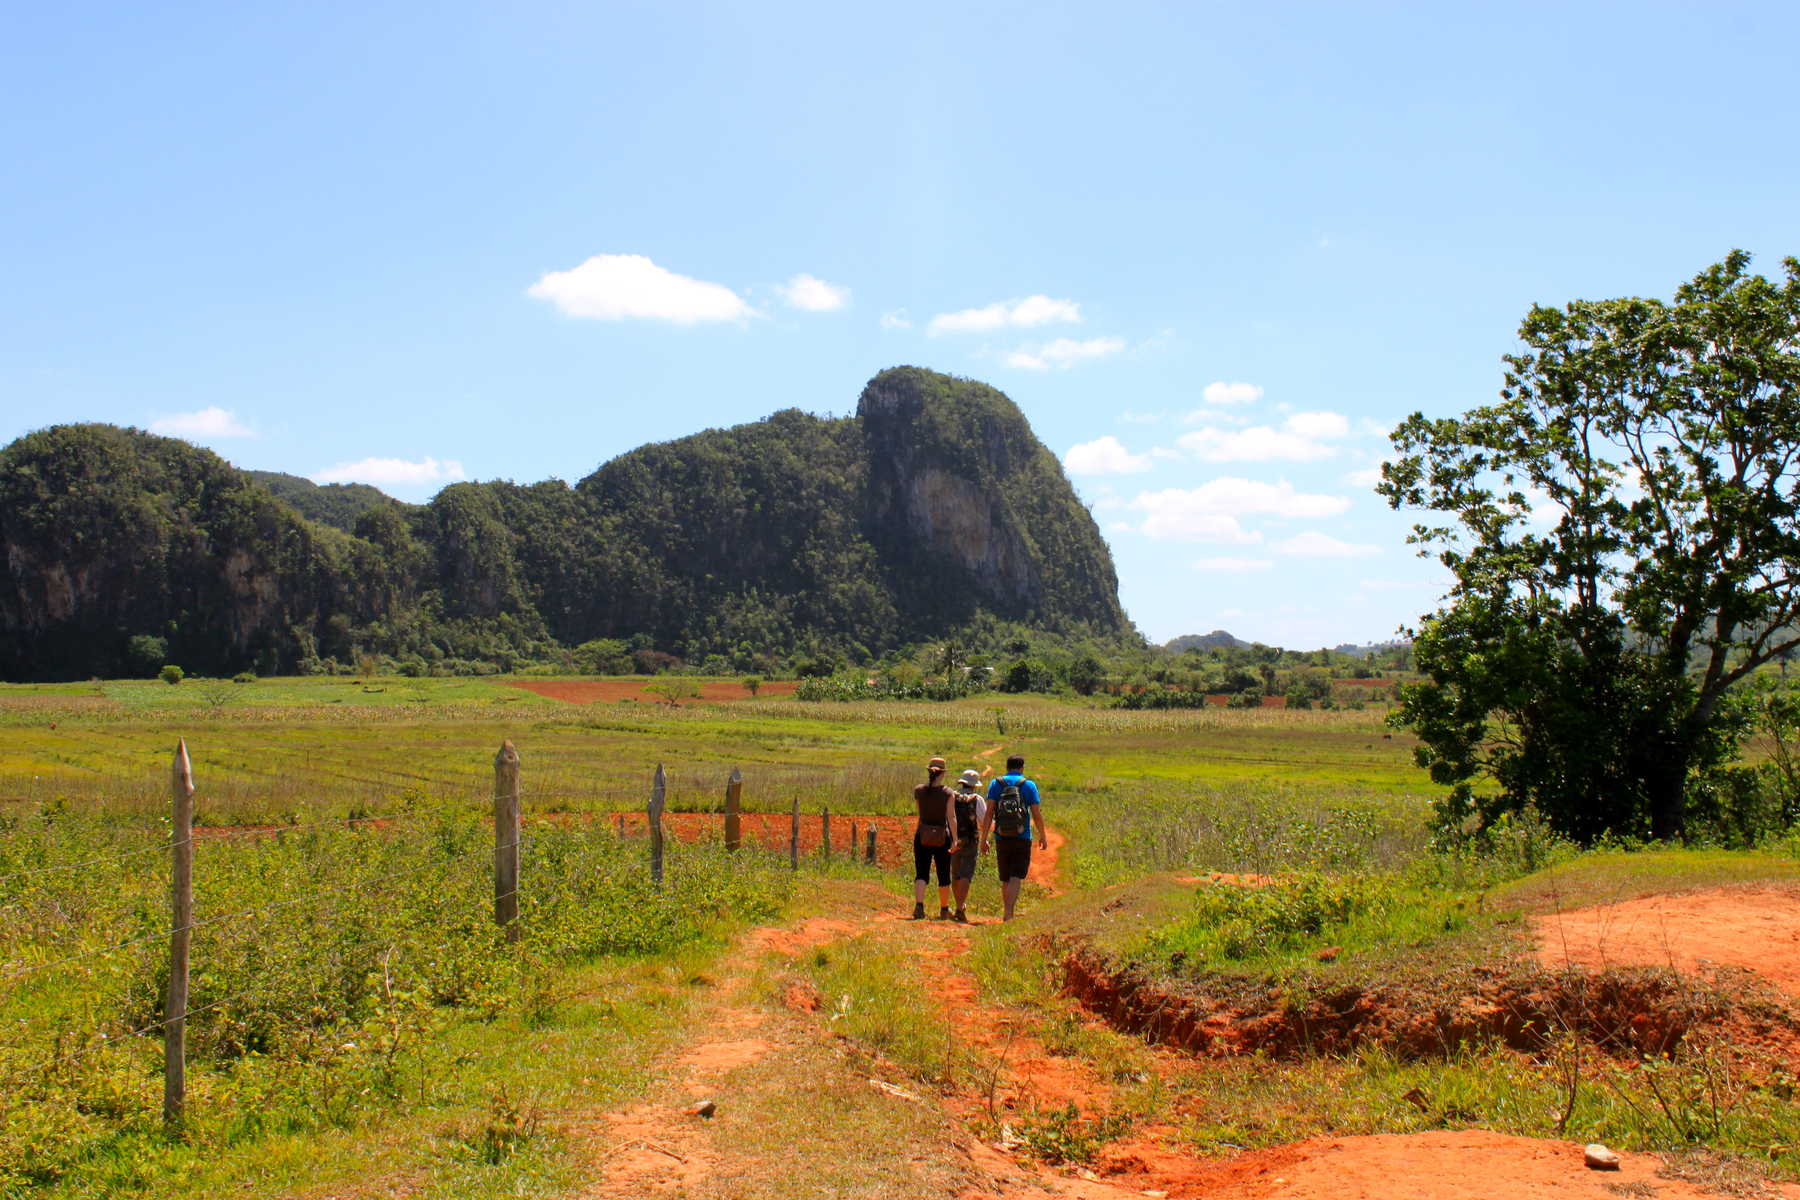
971	807
933	840
1012	809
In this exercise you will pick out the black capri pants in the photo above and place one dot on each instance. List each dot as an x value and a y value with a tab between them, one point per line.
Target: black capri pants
925	857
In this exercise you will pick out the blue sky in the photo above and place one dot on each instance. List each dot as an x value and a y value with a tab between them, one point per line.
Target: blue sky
1211	251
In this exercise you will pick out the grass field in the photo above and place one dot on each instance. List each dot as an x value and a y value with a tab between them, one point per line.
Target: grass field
357	1015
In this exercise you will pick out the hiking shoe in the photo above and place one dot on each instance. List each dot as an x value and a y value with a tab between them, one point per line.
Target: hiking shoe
962	918
918	912
943	914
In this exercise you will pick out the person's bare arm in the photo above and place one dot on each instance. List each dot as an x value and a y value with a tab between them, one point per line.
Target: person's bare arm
1037	817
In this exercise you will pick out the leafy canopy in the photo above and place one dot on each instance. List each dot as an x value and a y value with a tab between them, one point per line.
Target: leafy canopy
1624	532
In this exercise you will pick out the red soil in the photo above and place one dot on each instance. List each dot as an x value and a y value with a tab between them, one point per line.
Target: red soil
893	835
607	691
1754	927
1465	1165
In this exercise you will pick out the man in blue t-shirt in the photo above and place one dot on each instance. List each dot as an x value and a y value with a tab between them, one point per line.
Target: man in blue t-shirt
1012	810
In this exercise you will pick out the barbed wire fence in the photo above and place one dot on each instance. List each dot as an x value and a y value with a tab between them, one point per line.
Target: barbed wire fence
508	846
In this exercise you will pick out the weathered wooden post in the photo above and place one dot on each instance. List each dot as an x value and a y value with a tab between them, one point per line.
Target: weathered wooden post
621	827
854	840
654	812
825	833
506	840
794	836
734	824
181	926
870	856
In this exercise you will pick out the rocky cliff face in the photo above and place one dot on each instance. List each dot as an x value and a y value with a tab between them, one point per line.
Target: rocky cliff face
961	492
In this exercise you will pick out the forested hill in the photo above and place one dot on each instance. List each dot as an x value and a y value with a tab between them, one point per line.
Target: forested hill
933	507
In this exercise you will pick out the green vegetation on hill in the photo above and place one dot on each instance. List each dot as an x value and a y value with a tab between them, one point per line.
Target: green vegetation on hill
334	504
743	548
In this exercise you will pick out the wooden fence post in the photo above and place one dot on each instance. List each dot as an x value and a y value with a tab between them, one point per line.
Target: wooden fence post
621	827
654	811
181	925
506	840
794	836
734	823
825	833
854	840
870	856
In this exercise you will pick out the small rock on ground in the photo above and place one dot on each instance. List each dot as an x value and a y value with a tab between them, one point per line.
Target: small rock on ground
1599	1158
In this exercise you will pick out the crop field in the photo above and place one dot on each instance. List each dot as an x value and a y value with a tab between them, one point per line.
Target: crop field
1243	936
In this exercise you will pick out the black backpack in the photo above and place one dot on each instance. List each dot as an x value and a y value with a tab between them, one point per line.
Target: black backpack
1009	809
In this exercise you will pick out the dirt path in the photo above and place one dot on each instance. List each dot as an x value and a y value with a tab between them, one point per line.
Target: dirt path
765	1049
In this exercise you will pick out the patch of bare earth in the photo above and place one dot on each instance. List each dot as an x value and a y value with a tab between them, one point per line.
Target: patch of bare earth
1754	927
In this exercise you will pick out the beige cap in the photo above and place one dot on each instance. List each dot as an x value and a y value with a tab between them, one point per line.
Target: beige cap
936	763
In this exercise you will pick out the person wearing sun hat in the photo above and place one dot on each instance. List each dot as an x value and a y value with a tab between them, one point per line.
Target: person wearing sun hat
933	840
971	807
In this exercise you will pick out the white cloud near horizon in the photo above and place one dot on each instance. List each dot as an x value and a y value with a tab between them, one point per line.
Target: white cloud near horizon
1314	544
1174	514
896	319
811	294
1028	313
1222	394
1105	456
1228	563
1063	353
1242	497
1303	437
397	472
623	287
209	422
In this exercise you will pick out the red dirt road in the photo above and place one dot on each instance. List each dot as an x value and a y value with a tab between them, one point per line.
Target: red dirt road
1754	927
608	691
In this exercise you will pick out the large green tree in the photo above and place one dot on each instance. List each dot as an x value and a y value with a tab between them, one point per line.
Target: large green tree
1624	532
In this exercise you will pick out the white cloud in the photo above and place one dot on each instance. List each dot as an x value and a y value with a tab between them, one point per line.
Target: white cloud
813	295
1131	417
1259	443
209	422
1241	497
896	320
1104	456
1313	544
1324	425
1121	527
1227	563
392	471
621	287
1301	438
1368	477
1063	353
1007	314
1214	416
1220	394
1175	515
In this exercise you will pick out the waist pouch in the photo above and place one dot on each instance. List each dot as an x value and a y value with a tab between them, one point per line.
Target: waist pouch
933	836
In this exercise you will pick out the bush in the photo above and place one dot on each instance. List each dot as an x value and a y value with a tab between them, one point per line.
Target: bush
244	677
170	674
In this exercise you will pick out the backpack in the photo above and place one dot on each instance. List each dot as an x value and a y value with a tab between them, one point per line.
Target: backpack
1009	809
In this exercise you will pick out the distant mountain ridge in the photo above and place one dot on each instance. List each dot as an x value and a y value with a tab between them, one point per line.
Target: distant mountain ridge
1219	639
934	506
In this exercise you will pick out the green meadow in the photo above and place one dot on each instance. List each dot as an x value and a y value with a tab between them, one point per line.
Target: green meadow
349	981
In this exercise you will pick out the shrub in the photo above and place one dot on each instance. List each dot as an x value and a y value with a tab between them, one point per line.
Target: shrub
170	674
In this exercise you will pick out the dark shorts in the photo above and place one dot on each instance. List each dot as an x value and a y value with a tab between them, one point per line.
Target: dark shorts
1013	857
962	863
927	857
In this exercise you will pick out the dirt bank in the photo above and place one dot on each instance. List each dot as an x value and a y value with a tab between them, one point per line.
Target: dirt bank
1642	1012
